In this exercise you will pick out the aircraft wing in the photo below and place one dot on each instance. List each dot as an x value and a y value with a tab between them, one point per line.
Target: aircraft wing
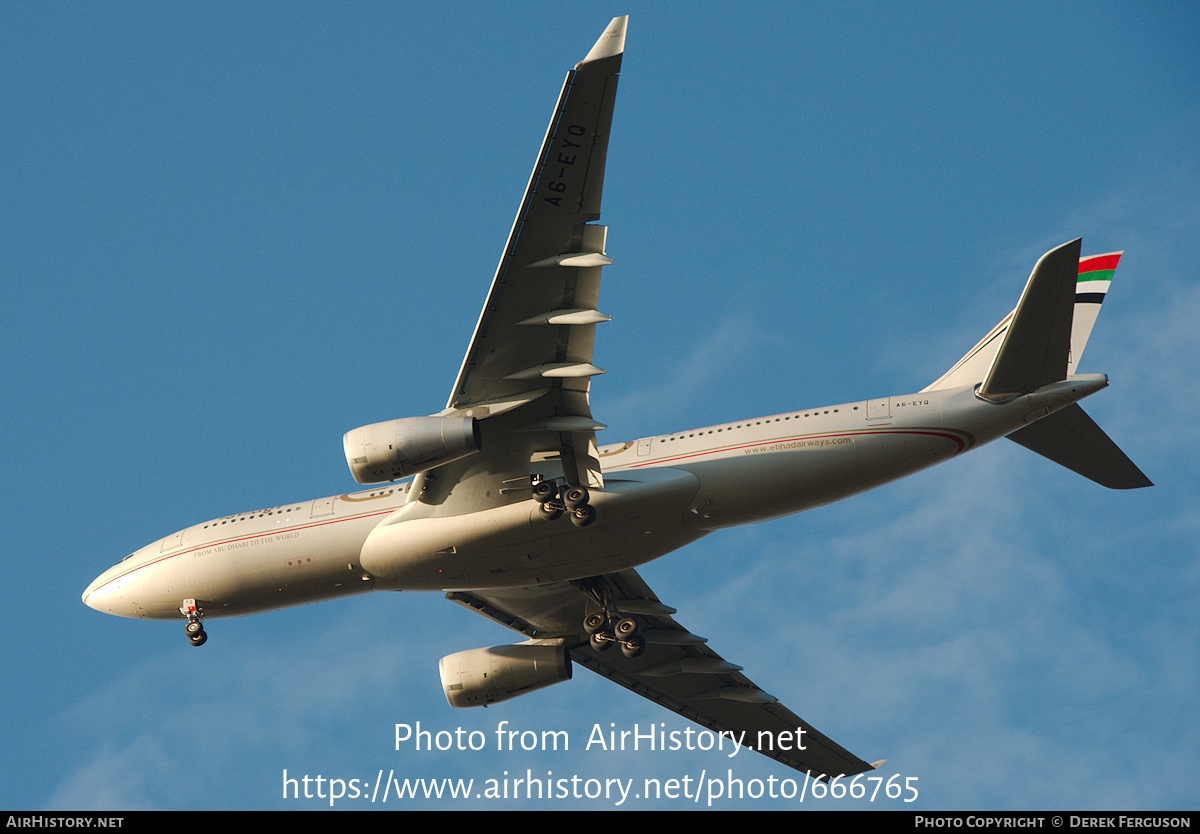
677	670
531	353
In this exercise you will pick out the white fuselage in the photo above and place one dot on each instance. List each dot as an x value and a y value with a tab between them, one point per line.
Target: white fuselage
660	493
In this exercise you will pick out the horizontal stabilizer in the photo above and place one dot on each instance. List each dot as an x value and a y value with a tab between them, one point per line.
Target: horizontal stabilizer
1072	439
1037	346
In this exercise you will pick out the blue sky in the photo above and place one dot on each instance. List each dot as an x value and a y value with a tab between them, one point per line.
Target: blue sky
230	233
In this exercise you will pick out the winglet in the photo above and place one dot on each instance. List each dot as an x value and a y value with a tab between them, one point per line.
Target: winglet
611	43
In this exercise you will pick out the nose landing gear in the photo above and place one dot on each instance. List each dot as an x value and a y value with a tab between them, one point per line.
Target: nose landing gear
194	629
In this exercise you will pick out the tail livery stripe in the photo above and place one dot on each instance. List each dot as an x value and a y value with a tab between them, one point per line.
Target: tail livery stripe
1098	263
1095	275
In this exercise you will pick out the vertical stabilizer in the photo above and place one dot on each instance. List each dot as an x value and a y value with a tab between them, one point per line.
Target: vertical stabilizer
1037	345
1093	275
1040	343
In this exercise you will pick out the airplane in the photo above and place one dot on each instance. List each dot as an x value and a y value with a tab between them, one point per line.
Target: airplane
504	501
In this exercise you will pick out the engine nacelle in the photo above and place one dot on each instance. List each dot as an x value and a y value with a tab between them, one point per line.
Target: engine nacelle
479	677
399	448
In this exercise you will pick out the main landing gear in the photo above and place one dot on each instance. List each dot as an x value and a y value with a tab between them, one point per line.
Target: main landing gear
194	629
603	631
607	626
555	500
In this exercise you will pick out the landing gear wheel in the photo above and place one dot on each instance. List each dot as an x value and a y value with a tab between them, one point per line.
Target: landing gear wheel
543	491
193	628
550	510
575	497
627	629
634	647
198	639
601	642
583	516
594	623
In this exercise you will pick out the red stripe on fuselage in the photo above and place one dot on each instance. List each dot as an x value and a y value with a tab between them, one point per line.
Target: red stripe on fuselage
962	444
233	540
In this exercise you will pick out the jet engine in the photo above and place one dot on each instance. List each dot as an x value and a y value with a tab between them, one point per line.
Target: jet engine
479	677
399	448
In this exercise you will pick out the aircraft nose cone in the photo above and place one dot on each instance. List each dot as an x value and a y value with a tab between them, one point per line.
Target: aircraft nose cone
97	596
109	594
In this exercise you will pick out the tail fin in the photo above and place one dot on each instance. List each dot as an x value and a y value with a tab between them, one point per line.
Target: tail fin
1091	282
1041	342
1036	347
